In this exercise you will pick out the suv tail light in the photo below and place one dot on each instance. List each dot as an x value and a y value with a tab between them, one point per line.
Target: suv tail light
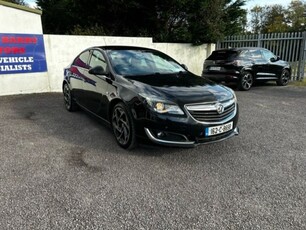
207	63
235	63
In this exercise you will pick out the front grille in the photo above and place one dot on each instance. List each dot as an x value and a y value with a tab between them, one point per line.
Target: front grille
208	112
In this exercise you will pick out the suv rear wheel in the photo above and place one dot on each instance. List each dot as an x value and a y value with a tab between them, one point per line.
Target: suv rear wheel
246	81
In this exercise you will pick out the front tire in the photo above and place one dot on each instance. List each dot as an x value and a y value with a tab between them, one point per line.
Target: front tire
284	78
69	102
123	126
246	81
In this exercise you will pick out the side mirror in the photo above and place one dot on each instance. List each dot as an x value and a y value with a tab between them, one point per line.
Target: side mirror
97	70
274	59
184	66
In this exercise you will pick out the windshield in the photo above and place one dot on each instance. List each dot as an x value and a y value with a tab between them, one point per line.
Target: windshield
142	62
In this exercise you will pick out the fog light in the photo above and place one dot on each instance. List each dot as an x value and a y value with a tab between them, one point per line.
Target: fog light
160	134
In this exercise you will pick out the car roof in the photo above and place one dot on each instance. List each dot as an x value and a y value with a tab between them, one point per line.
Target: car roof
241	48
123	47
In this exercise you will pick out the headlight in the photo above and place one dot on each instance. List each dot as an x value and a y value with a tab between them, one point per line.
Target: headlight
160	105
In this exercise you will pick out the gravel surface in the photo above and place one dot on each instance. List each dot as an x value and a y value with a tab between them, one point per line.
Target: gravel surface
62	170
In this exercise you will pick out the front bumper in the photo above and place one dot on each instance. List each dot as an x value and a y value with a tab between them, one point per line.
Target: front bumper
187	143
183	131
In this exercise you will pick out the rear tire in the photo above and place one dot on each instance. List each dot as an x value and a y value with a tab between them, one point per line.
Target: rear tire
123	126
284	78
69	102
246	81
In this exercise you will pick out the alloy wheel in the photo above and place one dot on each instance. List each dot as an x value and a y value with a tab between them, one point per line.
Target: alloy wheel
285	77
67	97
121	126
247	81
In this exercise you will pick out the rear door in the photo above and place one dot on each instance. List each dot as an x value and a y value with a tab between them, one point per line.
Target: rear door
76	75
95	86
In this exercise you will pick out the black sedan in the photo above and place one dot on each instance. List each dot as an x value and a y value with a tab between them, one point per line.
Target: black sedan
142	92
246	65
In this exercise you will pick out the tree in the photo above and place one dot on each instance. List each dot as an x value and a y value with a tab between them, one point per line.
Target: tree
172	21
277	18
295	17
58	16
235	17
196	21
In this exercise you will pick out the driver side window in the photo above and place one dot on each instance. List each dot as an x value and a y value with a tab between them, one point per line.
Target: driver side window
268	55
97	59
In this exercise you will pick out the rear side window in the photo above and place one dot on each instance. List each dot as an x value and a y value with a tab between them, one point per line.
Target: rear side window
223	55
82	60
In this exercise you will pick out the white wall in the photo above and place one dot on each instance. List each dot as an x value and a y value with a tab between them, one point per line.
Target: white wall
19	21
192	56
62	49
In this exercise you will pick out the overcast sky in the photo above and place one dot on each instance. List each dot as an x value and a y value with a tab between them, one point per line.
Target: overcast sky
31	3
251	3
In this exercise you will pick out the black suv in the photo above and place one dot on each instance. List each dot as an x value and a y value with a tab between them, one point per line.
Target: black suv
246	65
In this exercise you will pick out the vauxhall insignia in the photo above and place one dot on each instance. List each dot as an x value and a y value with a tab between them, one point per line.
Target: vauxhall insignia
139	106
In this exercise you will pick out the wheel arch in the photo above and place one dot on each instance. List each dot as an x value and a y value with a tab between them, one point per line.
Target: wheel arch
65	82
289	69
247	69
111	107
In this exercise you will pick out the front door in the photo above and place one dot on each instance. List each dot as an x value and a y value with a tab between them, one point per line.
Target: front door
274	69
260	64
95	86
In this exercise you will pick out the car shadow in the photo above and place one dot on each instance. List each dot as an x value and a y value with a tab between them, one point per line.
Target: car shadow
256	85
79	128
78	140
